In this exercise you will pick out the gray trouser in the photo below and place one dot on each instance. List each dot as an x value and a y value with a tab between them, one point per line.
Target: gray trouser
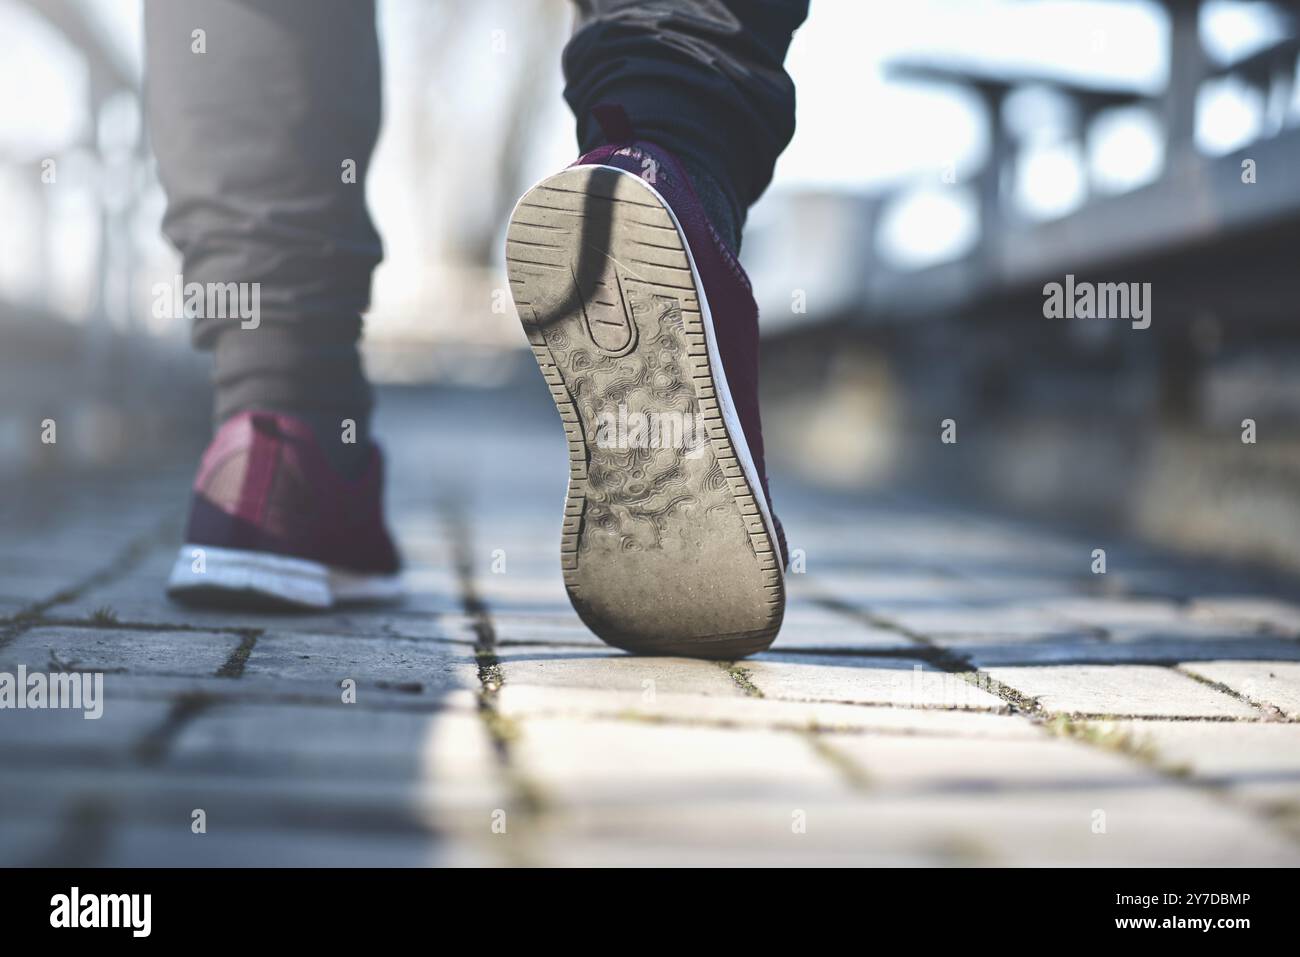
252	136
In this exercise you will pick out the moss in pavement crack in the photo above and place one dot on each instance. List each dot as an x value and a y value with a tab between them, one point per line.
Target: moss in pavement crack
743	679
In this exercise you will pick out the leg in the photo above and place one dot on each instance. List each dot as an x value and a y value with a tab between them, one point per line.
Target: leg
642	320
263	124
701	78
252	136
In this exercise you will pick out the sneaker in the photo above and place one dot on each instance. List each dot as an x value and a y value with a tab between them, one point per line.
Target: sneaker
273	523
646	330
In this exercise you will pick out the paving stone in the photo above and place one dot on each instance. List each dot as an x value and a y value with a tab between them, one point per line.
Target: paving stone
150	846
888	681
805	626
584	762
938	765
160	795
436	577
957	618
461	769
508	564
446	759
11	605
1274	683
340	739
41	577
555	629
66	735
139	596
1277	615
106	650
985	651
506	594
1186	579
1108	612
1191	630
429	667
403	623
1056	787
360	622
1244	647
860	587
524	701
26	839
604	849
808	626
1253	761
639	760
1121	690
1143	827
270	690
610	669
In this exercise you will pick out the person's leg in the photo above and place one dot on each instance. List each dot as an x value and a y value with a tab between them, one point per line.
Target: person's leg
702	78
624	274
263	115
263	125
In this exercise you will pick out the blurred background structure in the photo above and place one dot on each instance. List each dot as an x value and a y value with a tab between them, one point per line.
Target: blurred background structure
951	158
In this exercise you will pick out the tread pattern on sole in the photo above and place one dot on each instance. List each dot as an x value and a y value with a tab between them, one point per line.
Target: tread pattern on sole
629	334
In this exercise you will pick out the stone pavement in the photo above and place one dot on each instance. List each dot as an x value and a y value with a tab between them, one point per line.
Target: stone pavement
949	688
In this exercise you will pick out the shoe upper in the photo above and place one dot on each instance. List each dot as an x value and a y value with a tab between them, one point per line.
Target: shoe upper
726	286
265	484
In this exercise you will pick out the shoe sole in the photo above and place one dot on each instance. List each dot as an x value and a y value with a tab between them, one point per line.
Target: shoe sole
226	577
665	549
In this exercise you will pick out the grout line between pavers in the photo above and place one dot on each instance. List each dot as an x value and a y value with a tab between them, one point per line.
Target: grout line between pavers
327	630
853	774
946	659
1267	712
250	693
46	621
83	838
1084	728
931	654
862	615
233	667
962	666
502	730
742	678
500	727
154	744
736	724
123	562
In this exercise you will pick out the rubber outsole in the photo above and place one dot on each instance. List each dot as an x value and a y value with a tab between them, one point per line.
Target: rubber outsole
209	576
666	546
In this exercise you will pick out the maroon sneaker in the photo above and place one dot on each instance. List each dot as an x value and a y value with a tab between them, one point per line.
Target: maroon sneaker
272	522
646	330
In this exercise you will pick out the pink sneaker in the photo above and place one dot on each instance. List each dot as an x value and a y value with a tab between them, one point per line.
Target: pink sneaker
272	522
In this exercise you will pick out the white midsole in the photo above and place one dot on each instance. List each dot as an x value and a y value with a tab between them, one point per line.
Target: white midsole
296	580
350	586
729	416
